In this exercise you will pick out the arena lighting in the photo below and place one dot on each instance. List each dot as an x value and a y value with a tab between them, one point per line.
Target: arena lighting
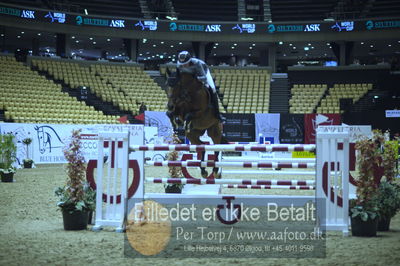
108	40
86	13
39	34
362	42
72	37
389	45
171	18
91	38
281	43
180	43
22	32
18	36
246	19
306	48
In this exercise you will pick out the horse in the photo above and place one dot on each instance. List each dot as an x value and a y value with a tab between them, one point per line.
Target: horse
189	105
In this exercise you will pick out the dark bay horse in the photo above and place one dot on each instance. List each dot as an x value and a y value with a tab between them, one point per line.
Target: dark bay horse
189	105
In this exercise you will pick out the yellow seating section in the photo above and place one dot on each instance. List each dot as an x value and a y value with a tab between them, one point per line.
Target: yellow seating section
28	97
124	86
135	83
331	103
305	97
244	90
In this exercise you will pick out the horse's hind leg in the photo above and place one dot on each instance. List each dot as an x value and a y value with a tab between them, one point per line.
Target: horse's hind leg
194	137
215	132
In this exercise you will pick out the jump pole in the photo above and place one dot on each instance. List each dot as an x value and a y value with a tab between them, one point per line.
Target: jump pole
328	155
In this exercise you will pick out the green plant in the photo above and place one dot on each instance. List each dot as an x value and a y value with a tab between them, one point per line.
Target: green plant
389	159
8	151
27	142
388	199
76	195
368	210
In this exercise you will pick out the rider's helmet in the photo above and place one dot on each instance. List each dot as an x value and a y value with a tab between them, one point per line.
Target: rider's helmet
184	58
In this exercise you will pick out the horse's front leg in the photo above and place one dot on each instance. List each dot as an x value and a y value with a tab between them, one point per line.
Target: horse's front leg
187	124
203	170
173	119
216	170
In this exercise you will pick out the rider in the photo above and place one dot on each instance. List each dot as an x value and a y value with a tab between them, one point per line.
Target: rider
202	72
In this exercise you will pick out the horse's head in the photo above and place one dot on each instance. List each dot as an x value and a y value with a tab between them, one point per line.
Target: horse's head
42	140
173	77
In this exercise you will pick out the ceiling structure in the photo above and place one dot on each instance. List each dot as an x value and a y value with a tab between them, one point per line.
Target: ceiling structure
16	38
12	39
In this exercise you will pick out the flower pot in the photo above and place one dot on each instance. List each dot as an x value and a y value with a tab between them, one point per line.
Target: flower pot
384	223
7	177
361	228
173	189
28	164
77	220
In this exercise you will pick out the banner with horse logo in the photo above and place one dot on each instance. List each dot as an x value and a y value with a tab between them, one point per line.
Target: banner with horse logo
48	140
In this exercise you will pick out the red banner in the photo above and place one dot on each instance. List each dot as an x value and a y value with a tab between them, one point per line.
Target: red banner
312	121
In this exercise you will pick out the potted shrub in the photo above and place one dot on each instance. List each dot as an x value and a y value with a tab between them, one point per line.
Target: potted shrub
8	151
389	191
174	171
388	203
27	162
76	198
364	210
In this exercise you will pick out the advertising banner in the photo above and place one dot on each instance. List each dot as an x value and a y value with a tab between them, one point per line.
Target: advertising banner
292	128
49	140
267	125
312	121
